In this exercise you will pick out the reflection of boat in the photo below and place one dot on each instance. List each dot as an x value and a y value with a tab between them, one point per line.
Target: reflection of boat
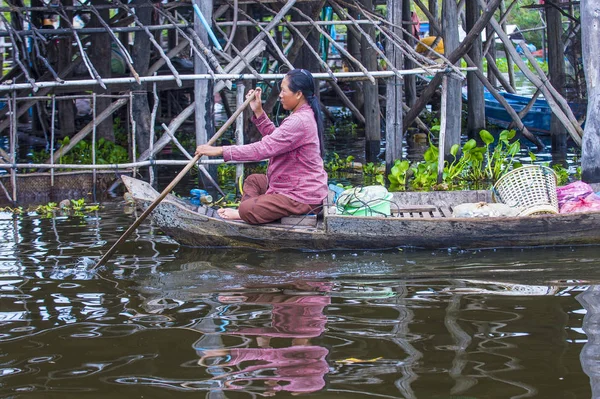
411	225
502	288
537	119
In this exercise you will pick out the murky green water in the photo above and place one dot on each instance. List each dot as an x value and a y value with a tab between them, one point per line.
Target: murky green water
163	321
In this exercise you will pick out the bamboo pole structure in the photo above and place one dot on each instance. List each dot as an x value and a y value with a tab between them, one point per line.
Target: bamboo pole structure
557	103
357	76
486	17
510	110
35	82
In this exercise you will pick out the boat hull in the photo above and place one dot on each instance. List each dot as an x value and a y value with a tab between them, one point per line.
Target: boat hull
430	226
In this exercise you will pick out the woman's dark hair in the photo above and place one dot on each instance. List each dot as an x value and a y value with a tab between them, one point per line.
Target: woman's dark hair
302	80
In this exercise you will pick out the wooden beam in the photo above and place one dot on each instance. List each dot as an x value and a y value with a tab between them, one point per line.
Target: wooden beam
590	43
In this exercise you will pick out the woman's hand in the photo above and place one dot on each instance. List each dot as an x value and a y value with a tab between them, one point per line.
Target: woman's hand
256	104
209	150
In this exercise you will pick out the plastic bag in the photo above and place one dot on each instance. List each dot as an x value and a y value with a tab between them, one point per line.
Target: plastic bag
571	191
483	209
589	203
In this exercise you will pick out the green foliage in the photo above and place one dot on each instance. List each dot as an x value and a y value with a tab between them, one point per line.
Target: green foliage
562	174
471	165
331	132
373	169
344	123
542	64
49	210
17	211
225	172
260	167
525	19
335	163
373	174
501	158
398	175
120	132
107	152
79	207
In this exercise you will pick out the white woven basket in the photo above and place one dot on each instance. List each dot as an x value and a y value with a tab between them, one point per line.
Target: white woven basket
531	188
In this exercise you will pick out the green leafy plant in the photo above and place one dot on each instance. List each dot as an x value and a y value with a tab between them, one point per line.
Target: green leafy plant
501	158
78	206
17	211
373	169
471	165
398	175
336	163
107	152
225	172
373	174
47	210
562	174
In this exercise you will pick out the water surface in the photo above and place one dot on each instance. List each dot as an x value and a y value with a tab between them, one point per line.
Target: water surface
162	320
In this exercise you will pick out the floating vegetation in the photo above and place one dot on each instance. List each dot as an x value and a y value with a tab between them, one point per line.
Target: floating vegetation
50	210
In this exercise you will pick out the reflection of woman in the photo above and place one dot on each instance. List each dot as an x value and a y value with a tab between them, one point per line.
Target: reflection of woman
298	368
296	182
291	317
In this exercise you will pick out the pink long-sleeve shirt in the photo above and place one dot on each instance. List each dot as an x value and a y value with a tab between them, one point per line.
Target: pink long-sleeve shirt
295	164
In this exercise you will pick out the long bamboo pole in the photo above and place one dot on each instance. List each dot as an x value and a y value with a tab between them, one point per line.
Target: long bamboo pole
170	187
443	120
227	76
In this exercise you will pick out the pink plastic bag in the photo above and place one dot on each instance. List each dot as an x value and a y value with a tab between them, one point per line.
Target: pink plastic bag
589	203
571	191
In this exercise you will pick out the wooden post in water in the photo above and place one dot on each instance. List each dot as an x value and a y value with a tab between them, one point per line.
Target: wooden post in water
443	128
410	81
371	93
490	37
454	95
476	102
239	128
590	43
140	109
590	301
203	93
393	108
353	43
101	54
434	8
556	70
66	112
509	60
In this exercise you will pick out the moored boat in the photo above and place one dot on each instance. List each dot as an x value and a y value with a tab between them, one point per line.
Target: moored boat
418	220
538	117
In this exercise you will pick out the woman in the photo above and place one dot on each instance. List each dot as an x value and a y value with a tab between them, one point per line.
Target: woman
296	182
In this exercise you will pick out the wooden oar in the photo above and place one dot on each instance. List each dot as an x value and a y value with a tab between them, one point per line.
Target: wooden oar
170	187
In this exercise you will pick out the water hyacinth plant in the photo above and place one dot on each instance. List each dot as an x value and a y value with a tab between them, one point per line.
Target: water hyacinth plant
471	165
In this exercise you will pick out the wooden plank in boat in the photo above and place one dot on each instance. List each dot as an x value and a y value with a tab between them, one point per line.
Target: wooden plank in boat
446	211
413	208
305	220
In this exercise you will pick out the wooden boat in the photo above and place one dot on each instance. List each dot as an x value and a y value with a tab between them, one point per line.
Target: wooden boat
419	220
537	119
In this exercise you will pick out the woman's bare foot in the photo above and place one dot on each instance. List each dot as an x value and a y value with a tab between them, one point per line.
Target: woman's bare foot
228	213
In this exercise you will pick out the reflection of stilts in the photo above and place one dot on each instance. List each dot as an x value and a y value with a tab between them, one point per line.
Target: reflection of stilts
401	332
590	353
212	325
462	341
